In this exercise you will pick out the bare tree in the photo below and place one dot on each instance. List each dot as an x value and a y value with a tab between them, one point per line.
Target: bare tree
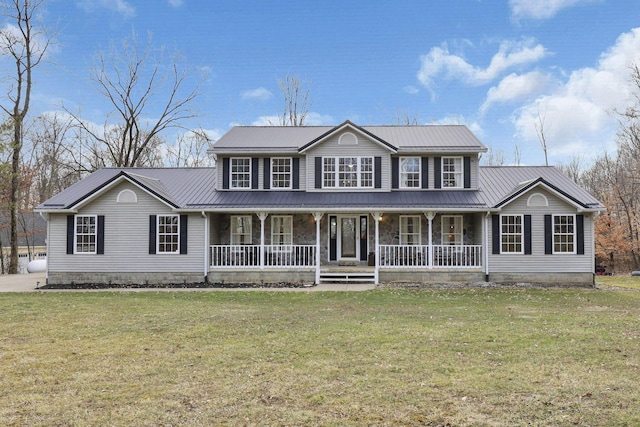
25	42
493	157
539	125
148	93
190	150
403	118
296	101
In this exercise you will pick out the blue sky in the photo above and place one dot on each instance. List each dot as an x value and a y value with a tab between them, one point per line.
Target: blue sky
496	66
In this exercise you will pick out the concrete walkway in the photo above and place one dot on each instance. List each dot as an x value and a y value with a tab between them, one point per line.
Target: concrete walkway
30	283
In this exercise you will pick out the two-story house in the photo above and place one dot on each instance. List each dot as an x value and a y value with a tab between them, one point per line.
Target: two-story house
318	204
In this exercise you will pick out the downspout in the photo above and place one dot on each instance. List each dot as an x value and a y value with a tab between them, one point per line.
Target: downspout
45	216
206	246
486	246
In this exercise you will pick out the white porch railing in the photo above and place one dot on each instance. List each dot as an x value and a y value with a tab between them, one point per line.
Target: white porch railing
275	256
411	256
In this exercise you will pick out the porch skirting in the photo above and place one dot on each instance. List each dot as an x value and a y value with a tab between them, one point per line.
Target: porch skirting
128	278
430	276
264	276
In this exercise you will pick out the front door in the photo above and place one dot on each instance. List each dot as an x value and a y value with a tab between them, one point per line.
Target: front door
348	238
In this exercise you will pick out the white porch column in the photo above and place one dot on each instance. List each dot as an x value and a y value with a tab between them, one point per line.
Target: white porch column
317	216
377	216
262	216
430	215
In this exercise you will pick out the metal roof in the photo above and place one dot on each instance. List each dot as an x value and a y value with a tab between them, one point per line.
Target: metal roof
194	189
288	139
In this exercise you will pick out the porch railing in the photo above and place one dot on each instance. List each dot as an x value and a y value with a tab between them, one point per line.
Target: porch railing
408	256
275	256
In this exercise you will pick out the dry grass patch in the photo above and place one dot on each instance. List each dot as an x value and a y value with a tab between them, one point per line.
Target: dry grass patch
393	357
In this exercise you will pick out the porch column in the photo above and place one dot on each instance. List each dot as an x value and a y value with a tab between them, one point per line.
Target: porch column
262	216
377	216
430	215
317	216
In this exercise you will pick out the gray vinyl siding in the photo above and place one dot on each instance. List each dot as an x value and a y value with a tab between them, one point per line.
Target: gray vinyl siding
330	148
126	238
538	261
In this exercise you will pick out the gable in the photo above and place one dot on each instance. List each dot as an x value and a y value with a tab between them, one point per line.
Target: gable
347	143
348	135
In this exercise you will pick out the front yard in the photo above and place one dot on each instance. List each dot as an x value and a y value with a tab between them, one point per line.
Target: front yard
458	357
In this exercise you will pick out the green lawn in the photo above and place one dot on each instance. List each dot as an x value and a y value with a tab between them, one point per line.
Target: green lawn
497	357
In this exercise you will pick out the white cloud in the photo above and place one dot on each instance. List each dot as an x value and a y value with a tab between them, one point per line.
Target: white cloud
122	7
577	115
540	9
510	54
176	3
411	89
516	87
260	94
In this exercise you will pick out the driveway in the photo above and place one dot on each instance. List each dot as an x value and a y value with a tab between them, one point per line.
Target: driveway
21	282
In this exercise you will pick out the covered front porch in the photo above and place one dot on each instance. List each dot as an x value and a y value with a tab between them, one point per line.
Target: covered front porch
344	246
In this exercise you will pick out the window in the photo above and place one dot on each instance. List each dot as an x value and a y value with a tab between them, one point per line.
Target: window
511	234
240	173
564	234
241	230
281	230
452	230
452	172
350	172
281	173
410	230
85	234
168	234
410	172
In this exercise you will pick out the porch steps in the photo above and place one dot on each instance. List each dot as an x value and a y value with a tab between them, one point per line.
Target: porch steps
347	275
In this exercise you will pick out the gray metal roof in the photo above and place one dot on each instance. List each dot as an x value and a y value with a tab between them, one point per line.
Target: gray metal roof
194	189
289	139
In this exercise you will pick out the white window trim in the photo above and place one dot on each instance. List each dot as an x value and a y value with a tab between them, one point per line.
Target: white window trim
445	232
521	252
336	172
249	232
158	251
456	172
75	234
231	181
418	222
404	173
287	247
553	235
272	186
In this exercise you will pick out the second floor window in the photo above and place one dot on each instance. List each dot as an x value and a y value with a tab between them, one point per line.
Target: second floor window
347	172
281	172
410	172
452	172
240	173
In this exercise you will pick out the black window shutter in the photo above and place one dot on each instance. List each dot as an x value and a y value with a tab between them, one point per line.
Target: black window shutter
495	234
527	234
152	234
395	172
70	233
254	172
548	235
225	173
425	172
377	171
295	171
318	172
580	234
467	172
183	233
100	236
437	171
267	173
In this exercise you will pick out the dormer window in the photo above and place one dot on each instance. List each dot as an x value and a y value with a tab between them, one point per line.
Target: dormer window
240	172
347	172
452	172
410	172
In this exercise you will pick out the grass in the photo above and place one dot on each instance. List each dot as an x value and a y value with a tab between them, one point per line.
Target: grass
629	282
464	357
